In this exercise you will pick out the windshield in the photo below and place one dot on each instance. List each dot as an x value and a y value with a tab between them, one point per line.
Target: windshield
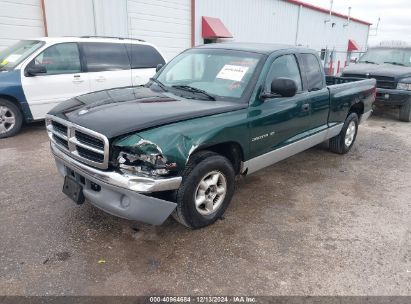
13	55
393	56
219	74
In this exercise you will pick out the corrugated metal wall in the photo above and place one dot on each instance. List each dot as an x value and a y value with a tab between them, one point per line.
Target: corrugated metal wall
316	34
69	18
20	19
86	17
275	21
167	24
111	18
269	21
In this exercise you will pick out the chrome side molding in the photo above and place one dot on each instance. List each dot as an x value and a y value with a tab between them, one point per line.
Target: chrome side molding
279	154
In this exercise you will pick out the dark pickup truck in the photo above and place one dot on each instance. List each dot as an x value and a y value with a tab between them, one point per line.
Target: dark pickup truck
391	67
214	112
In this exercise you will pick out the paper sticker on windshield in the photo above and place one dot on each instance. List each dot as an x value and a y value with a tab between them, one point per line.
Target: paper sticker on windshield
232	72
4	62
12	58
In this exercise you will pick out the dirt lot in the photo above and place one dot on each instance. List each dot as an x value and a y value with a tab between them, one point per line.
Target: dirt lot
315	224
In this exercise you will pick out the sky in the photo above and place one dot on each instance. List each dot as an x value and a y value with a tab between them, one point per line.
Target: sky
395	23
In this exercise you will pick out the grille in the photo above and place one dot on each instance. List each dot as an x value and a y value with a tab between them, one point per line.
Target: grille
59	127
97	157
80	143
61	141
386	82
89	140
383	82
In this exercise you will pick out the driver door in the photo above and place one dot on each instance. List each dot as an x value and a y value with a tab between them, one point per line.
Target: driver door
63	78
278	121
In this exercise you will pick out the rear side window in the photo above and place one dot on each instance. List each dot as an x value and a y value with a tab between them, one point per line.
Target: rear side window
144	56
105	56
313	72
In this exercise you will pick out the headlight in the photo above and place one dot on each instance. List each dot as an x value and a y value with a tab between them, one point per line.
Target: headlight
145	157
404	86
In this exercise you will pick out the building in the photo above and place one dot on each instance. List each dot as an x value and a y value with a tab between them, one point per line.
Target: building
175	25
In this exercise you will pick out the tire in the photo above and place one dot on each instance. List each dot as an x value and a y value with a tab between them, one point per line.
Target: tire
11	119
343	142
405	111
205	175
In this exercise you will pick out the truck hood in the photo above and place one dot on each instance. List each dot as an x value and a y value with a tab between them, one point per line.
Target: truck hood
387	70
121	111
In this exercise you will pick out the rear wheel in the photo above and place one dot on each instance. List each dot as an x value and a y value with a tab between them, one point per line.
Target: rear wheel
405	112
206	190
343	142
11	119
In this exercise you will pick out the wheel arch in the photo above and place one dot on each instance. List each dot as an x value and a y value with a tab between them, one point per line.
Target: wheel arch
232	150
16	102
357	108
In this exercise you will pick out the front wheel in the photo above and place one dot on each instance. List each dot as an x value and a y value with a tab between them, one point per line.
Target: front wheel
206	190
343	142
11	119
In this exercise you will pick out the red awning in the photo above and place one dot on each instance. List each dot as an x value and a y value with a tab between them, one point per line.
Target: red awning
214	28
352	46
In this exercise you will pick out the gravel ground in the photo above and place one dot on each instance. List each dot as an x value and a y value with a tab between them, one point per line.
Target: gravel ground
314	224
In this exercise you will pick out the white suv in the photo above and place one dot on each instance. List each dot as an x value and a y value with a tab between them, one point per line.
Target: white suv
35	75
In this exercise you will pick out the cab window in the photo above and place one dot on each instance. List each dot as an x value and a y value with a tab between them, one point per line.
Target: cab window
312	68
61	58
286	67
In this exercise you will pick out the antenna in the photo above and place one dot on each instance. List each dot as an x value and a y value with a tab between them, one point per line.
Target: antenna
331	9
348	18
375	33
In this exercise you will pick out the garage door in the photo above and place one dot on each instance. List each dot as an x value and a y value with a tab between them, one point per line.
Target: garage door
166	23
20	19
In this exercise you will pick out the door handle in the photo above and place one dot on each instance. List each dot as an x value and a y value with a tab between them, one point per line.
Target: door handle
101	79
305	107
77	79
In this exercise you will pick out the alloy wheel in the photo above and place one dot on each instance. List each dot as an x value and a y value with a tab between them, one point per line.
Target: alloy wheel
7	119
210	193
350	134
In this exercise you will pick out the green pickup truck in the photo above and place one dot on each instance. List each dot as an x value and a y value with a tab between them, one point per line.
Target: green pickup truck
176	144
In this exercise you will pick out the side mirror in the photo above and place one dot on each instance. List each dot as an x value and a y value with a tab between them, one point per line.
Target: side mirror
284	87
34	70
159	67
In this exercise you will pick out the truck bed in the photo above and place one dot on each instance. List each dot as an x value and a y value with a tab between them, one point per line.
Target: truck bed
333	80
345	91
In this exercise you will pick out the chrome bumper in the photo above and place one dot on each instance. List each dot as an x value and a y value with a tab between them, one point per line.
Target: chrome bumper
136	183
119	194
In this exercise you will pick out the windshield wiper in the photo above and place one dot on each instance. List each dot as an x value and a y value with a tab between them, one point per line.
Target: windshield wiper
160	84
395	63
193	90
367	61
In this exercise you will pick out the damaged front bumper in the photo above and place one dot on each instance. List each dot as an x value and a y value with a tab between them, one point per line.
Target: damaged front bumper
120	194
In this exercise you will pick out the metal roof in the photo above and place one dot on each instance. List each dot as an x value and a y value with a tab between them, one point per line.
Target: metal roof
324	10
